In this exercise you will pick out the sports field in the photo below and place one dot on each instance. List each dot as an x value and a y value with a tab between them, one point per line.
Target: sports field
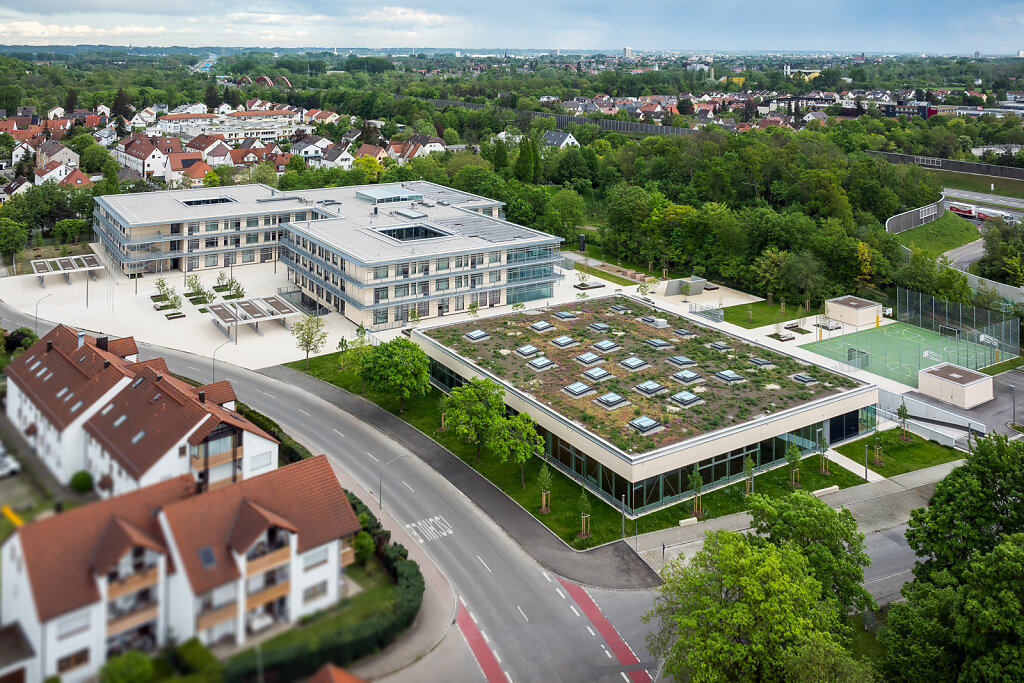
898	350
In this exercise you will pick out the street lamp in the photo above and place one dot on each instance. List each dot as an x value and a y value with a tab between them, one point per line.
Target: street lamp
215	359
37	310
380	479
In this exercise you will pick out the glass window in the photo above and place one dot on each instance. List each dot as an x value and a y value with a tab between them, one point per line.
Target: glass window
211	242
494	276
300	216
441	284
268	220
460	302
73	661
401	290
211	226
315	591
380	316
252	222
211	260
252	237
314	558
494	257
380	294
380	272
442	264
248	256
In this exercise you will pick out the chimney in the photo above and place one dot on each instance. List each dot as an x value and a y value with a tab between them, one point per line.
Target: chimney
101	342
49	345
159	377
202	397
81	339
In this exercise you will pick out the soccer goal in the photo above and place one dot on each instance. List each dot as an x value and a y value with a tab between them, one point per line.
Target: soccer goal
949	331
857	358
932	355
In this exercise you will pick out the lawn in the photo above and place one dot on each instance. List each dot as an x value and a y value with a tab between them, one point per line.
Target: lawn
900	456
621	281
1000	368
48	251
596	252
935	238
764	313
1007	187
564	519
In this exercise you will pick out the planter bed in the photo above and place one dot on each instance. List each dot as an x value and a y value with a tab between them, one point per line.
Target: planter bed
593	286
175	316
221	288
233	296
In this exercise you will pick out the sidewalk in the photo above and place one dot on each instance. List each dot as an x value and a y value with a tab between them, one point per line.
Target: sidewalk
876	506
613	565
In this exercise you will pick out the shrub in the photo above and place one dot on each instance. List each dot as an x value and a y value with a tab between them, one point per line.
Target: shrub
81	481
363	545
131	667
194	658
21	338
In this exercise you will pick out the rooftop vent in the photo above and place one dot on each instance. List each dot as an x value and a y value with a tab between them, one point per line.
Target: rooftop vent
577	389
644	424
760	362
804	378
685	398
527	351
683	332
729	376
611	400
619	308
634	363
542	363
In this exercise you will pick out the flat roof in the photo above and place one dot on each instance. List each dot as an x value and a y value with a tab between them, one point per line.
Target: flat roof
727	405
955	374
168	206
854	302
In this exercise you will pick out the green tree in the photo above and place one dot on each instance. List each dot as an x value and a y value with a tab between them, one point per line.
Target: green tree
817	659
499	157
768	269
68	229
363	546
972	509
793	460
13	236
80	143
211	98
476	411
356	353
131	667
211	179
696	483
397	368
828	538
94	158
121	105
903	415
738	611
310	335
524	163
565	213
544	481
518	442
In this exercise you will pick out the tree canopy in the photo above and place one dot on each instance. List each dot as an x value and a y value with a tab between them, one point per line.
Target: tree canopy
397	367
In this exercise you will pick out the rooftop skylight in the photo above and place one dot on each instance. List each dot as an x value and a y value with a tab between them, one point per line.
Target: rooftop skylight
644	424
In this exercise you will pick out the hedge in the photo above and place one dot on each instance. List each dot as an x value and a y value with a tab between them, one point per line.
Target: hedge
290	450
300	659
194	658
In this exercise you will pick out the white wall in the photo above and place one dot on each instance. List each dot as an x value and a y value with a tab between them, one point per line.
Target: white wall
254	447
303	579
93	638
16	600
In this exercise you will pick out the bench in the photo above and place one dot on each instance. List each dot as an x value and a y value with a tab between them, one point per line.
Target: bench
787	336
792	325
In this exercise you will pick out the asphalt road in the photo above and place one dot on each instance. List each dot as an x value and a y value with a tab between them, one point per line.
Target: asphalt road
983	197
963	256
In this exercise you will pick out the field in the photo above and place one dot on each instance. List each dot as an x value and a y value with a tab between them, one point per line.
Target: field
897	455
898	350
935	238
1006	187
768	314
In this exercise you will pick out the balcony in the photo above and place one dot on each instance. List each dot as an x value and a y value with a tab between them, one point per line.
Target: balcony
131	583
198	462
212	617
271	558
348	556
267	594
133	618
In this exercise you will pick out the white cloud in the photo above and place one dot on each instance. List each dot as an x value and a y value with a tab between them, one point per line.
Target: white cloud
404	15
279	20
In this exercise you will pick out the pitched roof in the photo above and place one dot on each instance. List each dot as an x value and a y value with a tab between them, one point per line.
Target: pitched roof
329	673
77	179
197	170
60	573
50	167
306	493
119	536
369	150
251	520
219	392
180	161
60	382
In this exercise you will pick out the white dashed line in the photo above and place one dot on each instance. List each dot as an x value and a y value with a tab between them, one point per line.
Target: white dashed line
484	564
473	617
591	631
573	608
192	367
273	397
407	486
486	639
303	412
372	456
560	593
498	657
546	576
508	677
624	676
522	612
338	433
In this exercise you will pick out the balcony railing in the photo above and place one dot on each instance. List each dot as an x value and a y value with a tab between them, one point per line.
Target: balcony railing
148	576
217	615
268	594
199	462
133	618
270	558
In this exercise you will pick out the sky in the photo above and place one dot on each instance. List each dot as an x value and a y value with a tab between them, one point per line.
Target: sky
889	26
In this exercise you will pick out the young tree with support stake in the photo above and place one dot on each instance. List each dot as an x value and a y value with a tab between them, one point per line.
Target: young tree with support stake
748	473
476	411
793	458
903	414
584	504
823	452
310	335
544	481
696	483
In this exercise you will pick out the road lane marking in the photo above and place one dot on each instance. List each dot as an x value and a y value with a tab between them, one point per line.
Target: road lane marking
273	397
508	677
889	576
407	486
522	612
608	653
625	677
573	608
337	432
484	634
372	456
303	412
484	564
546	576
481	651
560	593
591	631
192	367
498	657
616	644
473	617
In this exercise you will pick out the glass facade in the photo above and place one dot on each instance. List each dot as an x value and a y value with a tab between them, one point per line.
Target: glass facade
514	295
